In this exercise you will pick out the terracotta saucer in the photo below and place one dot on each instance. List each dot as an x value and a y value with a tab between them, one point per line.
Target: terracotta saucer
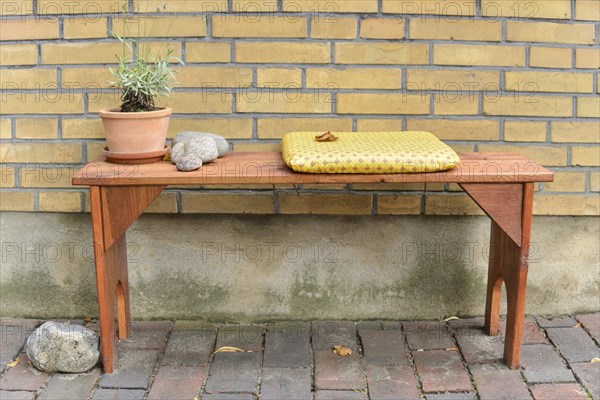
134	158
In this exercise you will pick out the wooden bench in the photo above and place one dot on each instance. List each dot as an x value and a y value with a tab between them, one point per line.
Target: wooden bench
501	184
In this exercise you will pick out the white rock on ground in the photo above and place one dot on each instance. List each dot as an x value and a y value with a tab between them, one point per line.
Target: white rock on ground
58	347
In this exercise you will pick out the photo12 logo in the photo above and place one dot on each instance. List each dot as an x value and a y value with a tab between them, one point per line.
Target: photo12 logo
60	252
269	252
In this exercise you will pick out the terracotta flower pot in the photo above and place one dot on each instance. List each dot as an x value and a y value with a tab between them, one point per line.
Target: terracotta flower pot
135	132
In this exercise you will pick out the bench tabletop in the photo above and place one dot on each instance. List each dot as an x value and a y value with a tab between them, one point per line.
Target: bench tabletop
239	168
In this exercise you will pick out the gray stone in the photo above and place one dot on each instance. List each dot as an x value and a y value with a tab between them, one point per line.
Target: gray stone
56	347
177	151
188	163
222	144
204	148
191	154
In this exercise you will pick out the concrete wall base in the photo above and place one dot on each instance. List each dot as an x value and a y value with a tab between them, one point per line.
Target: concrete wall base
258	268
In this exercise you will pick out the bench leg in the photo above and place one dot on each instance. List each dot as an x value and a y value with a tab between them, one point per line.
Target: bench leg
515	276
120	280
112	284
494	286
114	209
510	208
508	264
113	299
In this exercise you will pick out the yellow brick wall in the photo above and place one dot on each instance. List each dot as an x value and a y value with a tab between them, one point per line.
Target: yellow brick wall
489	75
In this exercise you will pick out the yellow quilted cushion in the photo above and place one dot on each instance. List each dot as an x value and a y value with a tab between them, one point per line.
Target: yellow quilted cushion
367	153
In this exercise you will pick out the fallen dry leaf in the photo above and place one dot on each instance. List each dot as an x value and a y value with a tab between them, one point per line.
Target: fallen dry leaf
577	325
87	320
230	349
595	360
326	137
342	351
452	349
13	363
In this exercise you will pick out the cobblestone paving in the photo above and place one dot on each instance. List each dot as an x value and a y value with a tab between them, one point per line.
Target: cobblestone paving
293	360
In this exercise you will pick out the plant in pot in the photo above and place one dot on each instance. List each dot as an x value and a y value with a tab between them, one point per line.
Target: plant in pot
136	132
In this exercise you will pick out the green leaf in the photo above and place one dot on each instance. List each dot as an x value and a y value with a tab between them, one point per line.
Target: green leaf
144	77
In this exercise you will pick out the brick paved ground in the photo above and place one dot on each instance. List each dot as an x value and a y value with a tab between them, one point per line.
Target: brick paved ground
391	360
